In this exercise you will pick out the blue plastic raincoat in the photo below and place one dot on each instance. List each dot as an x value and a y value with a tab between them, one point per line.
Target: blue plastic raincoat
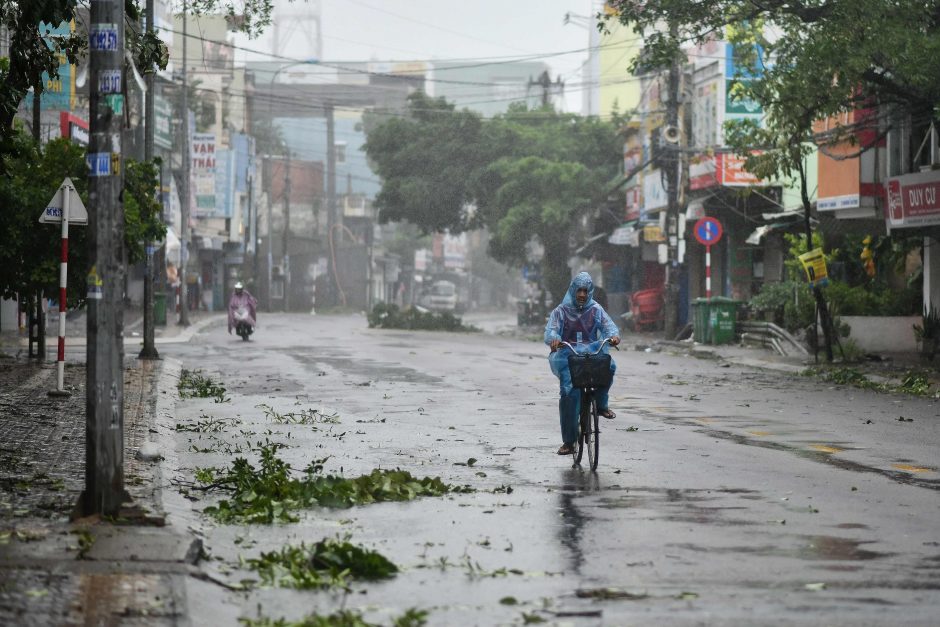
581	326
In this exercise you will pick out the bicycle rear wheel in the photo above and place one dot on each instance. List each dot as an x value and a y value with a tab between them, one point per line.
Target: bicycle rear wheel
591	436
584	421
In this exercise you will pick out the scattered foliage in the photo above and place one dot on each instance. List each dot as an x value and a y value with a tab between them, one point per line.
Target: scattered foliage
326	564
269	493
194	384
303	417
342	618
912	382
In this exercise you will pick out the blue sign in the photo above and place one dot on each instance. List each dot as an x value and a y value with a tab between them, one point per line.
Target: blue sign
103	37
58	93
109	82
99	164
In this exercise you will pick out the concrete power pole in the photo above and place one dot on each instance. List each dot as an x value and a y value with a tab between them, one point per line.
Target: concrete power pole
104	404
37	314
149	351
672	153
286	236
331	218
184	205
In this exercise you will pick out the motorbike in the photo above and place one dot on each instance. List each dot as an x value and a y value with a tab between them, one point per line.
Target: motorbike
244	325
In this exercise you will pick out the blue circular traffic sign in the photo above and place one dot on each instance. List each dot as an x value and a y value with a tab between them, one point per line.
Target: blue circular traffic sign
708	231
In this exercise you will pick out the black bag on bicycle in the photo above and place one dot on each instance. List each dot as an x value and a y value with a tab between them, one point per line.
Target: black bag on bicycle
590	371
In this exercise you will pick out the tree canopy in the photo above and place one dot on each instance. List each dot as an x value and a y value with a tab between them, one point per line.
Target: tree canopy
31	54
526	175
29	258
817	59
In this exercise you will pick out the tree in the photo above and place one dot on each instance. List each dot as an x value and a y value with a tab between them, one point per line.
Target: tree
29	252
822	59
526	175
30	54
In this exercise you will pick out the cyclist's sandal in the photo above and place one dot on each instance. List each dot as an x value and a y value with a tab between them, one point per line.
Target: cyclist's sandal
566	449
607	413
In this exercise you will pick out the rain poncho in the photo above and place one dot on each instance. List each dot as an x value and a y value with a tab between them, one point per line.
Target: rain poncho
583	327
241	301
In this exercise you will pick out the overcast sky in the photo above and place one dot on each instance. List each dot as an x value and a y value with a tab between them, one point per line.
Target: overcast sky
364	30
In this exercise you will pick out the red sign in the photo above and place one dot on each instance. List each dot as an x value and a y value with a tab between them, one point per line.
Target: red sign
723	168
708	231
913	200
731	172
73	127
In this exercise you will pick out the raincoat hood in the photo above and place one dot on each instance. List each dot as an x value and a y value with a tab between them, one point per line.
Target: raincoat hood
582	280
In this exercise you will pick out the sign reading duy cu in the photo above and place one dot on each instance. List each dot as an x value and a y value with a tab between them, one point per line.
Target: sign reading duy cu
913	200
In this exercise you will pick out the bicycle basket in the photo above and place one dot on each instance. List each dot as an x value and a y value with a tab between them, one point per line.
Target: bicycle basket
590	371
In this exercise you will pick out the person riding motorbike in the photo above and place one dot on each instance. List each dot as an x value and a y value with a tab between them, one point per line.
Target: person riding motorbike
579	319
241	300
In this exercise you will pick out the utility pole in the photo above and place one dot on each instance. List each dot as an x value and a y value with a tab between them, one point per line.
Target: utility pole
286	235
184	205
104	404
149	351
37	314
672	163
331	218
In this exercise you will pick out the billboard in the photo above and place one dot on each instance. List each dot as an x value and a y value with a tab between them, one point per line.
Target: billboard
58	93
203	173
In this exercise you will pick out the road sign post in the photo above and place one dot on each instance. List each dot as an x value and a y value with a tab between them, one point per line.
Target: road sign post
708	231
65	207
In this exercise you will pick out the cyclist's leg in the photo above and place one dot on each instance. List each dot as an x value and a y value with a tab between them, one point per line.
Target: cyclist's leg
568	399
602	395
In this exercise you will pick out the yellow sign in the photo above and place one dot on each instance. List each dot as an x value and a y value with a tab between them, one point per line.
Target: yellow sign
652	233
814	264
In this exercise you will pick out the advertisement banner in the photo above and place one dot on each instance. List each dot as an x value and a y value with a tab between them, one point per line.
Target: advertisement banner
731	172
203	173
814	264
913	200
654	192
58	93
162	129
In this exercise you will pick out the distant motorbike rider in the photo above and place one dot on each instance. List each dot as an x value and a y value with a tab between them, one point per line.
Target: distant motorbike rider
241	300
579	319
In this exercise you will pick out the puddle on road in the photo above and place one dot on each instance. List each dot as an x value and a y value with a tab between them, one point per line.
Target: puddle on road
684	505
825	453
367	369
823	548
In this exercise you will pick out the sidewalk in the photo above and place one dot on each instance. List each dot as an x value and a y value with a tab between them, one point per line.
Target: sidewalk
53	570
16	343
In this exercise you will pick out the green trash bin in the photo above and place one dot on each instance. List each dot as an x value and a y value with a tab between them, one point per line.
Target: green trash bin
700	311
722	320
159	308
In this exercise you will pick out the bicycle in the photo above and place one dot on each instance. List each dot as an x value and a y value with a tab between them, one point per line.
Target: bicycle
589	372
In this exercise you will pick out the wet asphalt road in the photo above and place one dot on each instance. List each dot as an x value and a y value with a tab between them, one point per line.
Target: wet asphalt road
725	495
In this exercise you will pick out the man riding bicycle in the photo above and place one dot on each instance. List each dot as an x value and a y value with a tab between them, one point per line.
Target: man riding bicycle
578	320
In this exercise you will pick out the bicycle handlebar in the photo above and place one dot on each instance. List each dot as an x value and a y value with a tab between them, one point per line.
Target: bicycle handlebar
599	348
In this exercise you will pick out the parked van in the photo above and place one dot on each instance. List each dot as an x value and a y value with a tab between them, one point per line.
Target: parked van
441	297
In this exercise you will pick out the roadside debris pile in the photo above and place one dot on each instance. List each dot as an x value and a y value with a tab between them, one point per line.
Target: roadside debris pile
390	316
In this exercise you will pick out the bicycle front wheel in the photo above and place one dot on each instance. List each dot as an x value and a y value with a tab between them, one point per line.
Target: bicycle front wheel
591	436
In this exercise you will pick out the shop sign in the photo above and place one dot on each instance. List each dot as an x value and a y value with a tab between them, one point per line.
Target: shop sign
203	172
913	200
162	130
